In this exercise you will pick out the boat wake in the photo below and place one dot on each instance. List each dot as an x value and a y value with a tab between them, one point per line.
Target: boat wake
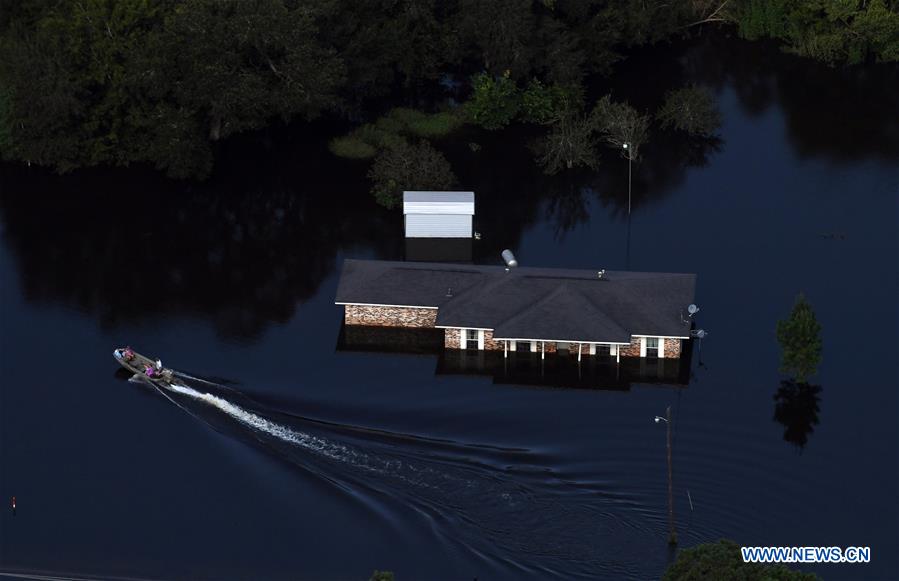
510	507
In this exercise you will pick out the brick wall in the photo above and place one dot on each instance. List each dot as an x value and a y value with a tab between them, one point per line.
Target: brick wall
451	339
672	348
389	316
490	344
632	350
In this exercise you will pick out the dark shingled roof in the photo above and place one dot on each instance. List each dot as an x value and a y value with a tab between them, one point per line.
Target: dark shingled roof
528	303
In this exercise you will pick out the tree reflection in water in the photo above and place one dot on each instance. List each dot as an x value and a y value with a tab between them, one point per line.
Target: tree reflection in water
796	408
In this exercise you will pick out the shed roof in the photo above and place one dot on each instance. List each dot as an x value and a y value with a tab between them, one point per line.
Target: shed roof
438	203
526	302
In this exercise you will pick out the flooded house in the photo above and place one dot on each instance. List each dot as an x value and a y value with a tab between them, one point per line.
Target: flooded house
578	314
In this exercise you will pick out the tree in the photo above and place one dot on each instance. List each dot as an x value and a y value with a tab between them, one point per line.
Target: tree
800	339
105	82
69	72
620	124
541	103
494	101
692	110
5	122
723	560
835	32
502	32
406	166
238	64
381	576
570	141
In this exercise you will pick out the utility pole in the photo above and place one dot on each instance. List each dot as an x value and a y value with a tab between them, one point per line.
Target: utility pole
627	152
672	534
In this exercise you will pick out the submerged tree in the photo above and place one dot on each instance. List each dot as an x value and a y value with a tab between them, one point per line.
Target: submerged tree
570	142
407	166
692	110
494	101
799	336
619	124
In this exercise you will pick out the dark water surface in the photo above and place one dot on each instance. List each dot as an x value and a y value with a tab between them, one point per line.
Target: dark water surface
306	462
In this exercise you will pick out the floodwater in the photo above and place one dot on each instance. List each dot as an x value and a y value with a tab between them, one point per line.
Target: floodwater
277	455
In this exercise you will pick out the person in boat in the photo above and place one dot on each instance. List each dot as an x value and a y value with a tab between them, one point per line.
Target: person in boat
128	354
149	371
159	365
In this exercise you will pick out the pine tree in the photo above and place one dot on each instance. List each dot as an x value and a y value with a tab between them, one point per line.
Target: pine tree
800	338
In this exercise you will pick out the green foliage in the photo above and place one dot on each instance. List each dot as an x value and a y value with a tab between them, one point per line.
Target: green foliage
833	31
722	560
569	143
619	124
391	131
241	63
124	81
351	147
116	82
501	33
408	166
71	75
800	339
542	104
762	18
427	125
381	576
691	109
5	121
494	101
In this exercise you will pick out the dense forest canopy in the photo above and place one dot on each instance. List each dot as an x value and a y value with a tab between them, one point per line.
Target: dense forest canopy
160	81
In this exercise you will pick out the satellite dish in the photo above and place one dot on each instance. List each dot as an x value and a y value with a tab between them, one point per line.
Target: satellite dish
700	333
692	309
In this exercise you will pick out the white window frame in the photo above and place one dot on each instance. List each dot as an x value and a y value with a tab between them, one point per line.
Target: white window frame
465	339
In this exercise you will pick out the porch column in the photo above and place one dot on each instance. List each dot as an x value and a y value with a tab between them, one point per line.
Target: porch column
580	346
618	354
505	348
542	349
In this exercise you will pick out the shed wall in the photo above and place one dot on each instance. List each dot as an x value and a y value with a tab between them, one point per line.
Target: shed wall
438	226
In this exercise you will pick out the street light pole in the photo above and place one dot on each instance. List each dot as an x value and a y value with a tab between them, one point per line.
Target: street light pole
672	533
626	146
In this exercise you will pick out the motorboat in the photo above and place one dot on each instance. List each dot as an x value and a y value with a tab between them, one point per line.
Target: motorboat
143	368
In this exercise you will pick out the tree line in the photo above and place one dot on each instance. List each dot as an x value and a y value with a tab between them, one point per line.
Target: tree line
115	82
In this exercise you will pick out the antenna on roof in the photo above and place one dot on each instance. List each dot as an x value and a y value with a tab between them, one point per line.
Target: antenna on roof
692	309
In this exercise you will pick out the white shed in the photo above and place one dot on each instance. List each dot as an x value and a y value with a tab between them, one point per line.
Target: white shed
438	214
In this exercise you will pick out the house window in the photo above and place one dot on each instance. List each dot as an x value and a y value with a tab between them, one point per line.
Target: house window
471	339
603	350
523	346
561	346
652	346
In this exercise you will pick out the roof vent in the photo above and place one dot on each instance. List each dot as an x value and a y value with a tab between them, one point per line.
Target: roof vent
509	258
449	292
